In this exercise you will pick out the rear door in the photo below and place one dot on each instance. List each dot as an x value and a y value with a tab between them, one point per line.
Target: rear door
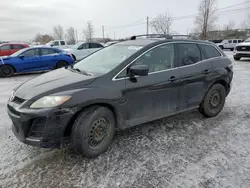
48	58
157	94
5	50
195	72
30	60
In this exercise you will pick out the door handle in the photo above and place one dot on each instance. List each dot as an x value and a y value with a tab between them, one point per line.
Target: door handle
172	79
206	71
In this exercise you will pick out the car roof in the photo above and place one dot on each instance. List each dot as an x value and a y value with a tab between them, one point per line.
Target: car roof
145	42
13	43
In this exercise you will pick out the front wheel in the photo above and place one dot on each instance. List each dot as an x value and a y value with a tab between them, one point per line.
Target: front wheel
214	101
6	71
93	131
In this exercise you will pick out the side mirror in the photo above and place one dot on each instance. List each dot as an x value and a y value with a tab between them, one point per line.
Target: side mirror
138	70
21	56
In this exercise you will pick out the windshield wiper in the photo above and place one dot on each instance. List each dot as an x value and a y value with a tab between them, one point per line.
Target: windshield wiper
80	71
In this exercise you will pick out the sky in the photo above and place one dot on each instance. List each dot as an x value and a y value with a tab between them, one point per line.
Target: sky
23	19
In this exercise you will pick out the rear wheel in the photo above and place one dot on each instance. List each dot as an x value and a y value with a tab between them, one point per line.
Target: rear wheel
61	64
231	49
221	47
6	70
93	131
214	101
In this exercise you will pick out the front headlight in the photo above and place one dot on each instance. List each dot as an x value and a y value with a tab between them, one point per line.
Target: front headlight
50	101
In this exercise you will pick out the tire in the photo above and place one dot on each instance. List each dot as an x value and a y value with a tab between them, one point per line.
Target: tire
231	49
61	64
237	58
88	136
7	71
221	47
214	101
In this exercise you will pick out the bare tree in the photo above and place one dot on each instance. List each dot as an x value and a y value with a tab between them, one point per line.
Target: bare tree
162	24
71	35
88	32
231	25
58	32
206	17
43	39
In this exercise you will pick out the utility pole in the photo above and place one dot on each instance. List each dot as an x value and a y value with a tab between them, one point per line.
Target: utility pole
147	26
76	36
103	32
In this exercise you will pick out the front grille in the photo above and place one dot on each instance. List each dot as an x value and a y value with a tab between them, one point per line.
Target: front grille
243	48
12	110
37	127
18	100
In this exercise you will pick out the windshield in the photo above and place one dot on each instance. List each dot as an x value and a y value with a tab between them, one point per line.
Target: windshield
18	52
247	40
106	59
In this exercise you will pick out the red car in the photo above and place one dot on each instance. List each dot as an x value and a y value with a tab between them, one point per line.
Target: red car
7	49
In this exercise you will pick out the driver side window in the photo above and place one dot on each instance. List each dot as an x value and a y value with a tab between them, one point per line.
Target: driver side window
158	59
83	46
31	53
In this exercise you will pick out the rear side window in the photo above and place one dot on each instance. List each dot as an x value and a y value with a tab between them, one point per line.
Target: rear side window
56	43
234	41
230	41
17	46
95	45
83	46
188	54
239	41
48	51
62	43
5	47
209	51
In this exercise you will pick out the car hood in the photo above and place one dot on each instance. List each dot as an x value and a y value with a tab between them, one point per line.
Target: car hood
244	44
52	82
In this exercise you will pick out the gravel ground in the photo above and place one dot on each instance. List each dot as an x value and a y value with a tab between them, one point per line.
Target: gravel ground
184	151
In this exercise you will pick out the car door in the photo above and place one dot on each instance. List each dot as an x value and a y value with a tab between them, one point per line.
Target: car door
29	60
5	50
82	51
157	94
48	58
228	44
194	74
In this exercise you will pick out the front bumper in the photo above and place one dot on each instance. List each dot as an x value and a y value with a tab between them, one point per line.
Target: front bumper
241	53
42	128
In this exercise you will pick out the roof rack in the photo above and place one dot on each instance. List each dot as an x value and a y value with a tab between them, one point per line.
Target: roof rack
164	36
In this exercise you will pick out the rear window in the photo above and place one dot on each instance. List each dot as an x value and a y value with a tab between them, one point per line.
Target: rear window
209	51
62	43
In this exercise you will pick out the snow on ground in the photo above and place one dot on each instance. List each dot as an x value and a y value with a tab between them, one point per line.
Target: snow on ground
184	151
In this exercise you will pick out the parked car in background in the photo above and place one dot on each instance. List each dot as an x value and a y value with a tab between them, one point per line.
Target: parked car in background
242	50
229	43
62	44
82	50
7	49
34	59
111	43
113	89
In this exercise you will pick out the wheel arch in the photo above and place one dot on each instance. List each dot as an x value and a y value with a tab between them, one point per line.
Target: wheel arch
118	116
9	65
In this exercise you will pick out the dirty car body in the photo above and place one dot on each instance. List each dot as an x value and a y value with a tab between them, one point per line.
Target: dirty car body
174	83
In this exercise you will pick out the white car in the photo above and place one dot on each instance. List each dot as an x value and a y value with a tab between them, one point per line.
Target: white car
62	44
242	50
229	44
81	50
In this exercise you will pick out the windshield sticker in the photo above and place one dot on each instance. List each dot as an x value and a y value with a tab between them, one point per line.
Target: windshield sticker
134	47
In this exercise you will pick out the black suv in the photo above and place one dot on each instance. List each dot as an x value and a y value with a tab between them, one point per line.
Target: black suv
120	86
